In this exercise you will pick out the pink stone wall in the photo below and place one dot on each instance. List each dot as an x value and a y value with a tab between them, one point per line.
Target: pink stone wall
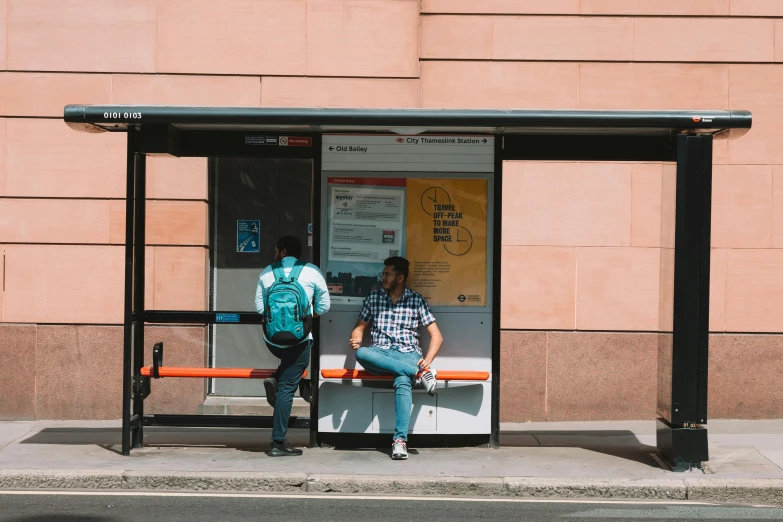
582	242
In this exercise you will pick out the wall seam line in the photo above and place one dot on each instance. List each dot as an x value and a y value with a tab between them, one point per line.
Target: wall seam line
35	374
492	38
630	213
7	25
576	286
725	325
546	377
603	15
157	36
773	206
418	60
5	158
307	31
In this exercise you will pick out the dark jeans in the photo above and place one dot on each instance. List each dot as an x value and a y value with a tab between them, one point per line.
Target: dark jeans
293	362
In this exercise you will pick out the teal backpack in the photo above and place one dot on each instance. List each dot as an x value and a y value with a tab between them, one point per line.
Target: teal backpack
288	319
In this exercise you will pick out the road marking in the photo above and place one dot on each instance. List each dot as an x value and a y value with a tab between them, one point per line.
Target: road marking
327	496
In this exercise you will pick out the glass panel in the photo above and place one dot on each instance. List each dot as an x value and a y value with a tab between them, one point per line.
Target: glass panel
182	346
257	200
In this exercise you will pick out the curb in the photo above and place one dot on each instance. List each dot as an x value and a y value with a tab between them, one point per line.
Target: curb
741	491
751	491
61	479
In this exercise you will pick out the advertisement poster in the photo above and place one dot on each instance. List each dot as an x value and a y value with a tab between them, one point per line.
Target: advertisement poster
248	236
447	240
366	226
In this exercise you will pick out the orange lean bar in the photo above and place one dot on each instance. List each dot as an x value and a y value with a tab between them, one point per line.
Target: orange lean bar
223	373
443	375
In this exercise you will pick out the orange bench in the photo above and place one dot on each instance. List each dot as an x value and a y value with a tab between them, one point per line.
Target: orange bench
157	371
216	373
442	375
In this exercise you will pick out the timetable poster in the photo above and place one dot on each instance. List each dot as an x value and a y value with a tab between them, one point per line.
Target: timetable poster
366	226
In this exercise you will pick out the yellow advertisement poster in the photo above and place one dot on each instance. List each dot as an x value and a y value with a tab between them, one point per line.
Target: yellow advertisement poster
446	243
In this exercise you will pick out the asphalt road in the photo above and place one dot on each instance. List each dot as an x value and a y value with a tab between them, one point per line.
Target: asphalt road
113	507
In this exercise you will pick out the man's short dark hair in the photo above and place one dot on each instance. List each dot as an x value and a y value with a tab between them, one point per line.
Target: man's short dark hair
400	265
291	245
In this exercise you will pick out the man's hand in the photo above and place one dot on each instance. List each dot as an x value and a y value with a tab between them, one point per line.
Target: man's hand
436	339
355	342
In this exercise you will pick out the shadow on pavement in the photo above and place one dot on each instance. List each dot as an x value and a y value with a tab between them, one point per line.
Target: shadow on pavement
622	444
110	439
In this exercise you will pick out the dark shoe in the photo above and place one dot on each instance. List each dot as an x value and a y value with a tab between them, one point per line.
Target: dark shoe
270	385
283	449
306	390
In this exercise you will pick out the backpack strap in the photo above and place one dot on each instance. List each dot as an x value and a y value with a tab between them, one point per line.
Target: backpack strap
294	276
296	270
277	269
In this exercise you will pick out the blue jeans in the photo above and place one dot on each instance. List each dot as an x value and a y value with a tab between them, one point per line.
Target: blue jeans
404	367
293	363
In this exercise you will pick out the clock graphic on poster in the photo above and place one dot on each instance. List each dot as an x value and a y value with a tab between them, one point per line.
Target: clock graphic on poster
433	196
461	242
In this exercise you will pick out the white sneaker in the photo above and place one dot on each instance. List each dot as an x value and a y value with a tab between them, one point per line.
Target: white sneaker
399	450
426	378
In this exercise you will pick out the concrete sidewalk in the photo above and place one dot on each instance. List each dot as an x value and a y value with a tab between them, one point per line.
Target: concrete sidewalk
558	460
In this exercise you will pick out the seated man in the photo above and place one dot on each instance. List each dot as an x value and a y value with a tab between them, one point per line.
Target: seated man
396	313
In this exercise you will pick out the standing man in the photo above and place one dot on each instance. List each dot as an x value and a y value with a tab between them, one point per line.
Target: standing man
286	293
396	313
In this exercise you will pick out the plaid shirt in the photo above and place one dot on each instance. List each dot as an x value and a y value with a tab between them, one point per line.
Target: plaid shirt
396	324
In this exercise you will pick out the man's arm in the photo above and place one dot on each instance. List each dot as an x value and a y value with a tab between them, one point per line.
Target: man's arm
321	299
436	340
260	295
365	317
357	334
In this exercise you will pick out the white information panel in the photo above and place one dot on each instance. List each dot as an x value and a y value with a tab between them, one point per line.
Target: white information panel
429	199
351	153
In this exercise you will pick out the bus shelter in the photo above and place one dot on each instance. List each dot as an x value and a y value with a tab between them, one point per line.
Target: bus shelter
426	184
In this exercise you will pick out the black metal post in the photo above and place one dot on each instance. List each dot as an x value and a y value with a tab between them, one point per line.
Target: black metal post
315	355
683	394
127	378
139	241
497	201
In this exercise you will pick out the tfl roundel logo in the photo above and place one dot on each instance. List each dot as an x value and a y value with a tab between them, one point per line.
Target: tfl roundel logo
697	119
461	298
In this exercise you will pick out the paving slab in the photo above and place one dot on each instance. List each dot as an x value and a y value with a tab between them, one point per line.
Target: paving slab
12	431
